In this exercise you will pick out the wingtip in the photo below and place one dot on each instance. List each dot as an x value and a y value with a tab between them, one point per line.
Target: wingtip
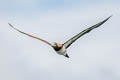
10	24
107	19
110	16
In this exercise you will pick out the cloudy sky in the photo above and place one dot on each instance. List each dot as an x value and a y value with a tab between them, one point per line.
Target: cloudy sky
95	56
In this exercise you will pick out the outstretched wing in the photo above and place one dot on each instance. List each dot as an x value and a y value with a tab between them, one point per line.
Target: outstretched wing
30	35
73	39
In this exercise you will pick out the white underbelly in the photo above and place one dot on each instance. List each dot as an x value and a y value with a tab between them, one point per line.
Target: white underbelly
62	51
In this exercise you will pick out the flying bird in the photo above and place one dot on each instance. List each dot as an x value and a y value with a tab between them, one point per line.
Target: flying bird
61	49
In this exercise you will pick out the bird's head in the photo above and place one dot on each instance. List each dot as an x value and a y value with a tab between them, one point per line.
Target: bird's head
54	44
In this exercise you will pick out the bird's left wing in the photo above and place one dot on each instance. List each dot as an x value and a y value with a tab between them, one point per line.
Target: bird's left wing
73	39
30	35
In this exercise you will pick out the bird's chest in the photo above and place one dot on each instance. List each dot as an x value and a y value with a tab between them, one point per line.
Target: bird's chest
62	51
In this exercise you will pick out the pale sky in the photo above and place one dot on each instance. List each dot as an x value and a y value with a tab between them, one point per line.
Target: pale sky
95	56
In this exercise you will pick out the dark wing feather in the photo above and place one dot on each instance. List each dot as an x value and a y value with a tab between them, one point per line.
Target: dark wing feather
73	39
30	35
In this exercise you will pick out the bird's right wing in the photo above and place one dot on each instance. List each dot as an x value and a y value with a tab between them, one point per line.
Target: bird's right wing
73	39
30	35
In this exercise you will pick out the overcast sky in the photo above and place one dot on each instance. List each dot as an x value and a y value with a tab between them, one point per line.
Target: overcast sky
95	56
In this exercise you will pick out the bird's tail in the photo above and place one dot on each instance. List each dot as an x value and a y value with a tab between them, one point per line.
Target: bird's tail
66	55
